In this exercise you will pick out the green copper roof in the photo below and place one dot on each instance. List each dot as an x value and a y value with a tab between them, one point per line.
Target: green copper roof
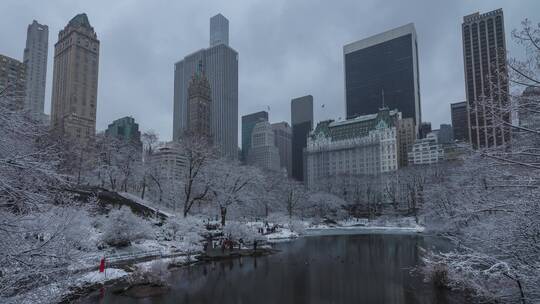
355	127
80	20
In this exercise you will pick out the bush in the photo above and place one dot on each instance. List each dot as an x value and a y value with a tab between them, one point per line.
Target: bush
123	227
297	226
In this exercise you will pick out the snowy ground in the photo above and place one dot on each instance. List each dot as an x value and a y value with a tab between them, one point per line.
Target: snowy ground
281	234
53	293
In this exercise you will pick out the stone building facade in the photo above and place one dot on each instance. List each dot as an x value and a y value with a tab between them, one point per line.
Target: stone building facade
12	82
363	145
263	152
75	80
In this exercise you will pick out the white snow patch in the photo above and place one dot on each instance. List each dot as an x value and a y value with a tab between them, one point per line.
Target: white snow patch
144	203
101	277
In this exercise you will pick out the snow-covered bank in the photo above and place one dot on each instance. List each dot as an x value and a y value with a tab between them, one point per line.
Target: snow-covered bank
362	230
363	226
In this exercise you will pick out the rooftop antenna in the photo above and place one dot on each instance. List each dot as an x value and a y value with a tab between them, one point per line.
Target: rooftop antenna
382	93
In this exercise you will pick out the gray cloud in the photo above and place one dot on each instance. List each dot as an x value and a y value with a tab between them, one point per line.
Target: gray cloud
286	48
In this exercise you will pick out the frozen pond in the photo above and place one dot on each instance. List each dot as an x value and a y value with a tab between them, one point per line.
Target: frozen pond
354	268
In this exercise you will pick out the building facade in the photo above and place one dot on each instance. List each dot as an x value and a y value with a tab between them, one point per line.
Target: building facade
426	151
406	137
166	164
220	64
35	59
12	82
302	124
219	30
169	161
125	129
200	104
529	102
382	70
460	121
486	77
248	122
425	129
75	80
283	141
362	145
263	152
445	134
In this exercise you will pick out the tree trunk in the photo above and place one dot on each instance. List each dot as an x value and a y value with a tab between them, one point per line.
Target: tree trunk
223	212
143	188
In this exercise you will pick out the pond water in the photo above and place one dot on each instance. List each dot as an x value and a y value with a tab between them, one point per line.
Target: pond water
355	268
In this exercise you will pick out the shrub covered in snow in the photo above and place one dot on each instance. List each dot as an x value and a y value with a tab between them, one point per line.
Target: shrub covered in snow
237	231
186	230
123	227
297	226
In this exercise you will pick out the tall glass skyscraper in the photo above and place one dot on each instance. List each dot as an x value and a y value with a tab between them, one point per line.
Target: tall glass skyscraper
382	70
35	59
484	58
302	124
220	65
219	30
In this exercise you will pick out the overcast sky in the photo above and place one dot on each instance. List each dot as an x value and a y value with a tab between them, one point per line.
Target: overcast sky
287	48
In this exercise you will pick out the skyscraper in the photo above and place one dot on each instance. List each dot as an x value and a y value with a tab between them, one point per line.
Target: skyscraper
12	82
35	59
406	136
219	30
199	102
459	121
220	64
484	58
283	141
382	70
302	124
248	122
75	80
263	152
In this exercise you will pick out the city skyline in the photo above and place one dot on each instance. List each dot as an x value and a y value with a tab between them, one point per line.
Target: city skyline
146	89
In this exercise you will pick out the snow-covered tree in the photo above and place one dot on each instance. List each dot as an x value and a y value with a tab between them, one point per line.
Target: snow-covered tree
489	206
195	183
229	184
36	244
324	205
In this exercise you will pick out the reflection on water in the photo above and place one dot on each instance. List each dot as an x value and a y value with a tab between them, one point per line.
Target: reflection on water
327	269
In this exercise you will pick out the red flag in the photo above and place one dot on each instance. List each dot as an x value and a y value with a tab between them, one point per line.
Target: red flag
102	265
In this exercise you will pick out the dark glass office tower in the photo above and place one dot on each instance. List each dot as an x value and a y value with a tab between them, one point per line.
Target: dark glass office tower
248	122
302	124
383	69
484	58
460	123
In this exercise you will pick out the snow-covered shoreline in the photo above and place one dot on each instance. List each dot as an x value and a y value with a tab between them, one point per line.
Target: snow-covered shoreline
347	230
